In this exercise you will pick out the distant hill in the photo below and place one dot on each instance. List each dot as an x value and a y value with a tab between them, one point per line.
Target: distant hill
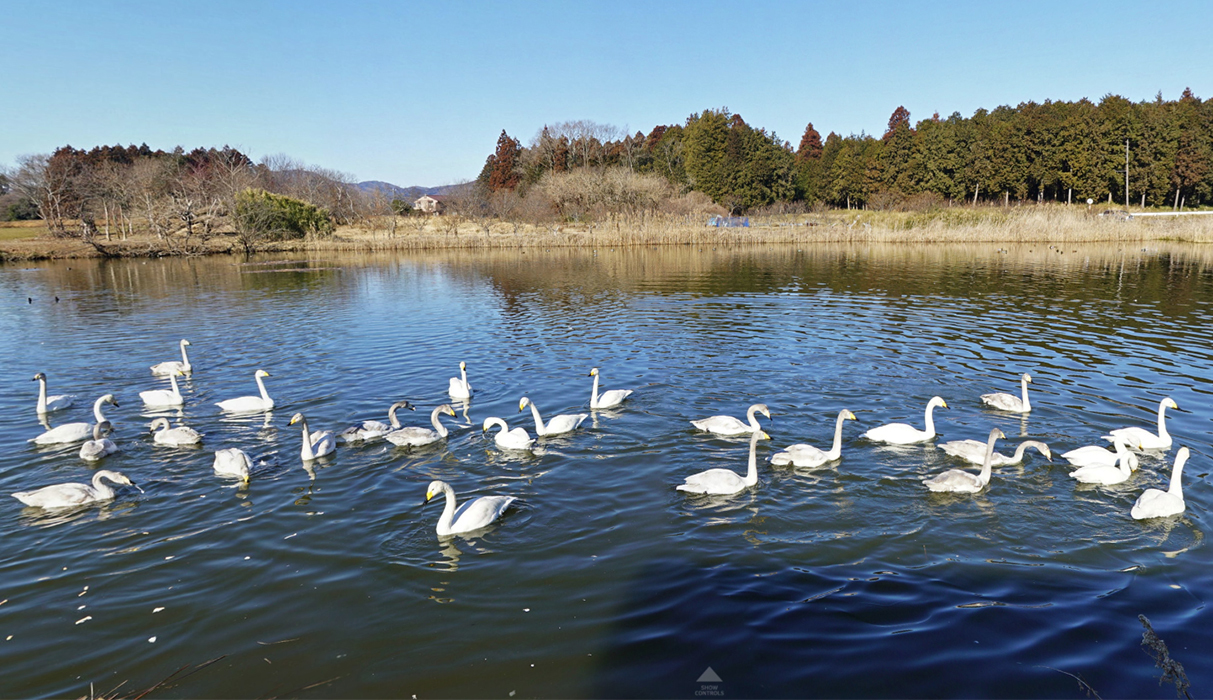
406	193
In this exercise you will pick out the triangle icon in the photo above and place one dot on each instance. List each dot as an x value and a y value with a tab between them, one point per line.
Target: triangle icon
709	676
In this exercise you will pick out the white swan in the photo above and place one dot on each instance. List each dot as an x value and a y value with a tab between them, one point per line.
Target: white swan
374	429
1105	474
904	434
1143	437
233	461
1154	503
413	436
801	455
250	404
73	494
506	439
975	451
170	366
1097	456
966	482
608	399
75	432
556	425
100	446
164	397
46	404
460	389
728	425
173	437
317	444
472	515
1007	402
726	482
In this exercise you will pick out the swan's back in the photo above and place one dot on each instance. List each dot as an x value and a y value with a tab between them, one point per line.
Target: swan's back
955	480
612	398
1154	503
58	496
246	404
1005	402
897	433
722	425
68	432
801	456
1100	474
479	512
719	482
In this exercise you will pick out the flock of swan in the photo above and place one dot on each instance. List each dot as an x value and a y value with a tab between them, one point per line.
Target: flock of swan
1095	464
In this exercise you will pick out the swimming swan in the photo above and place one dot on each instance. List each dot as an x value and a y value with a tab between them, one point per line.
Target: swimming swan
373	429
164	397
46	404
728	425
1154	503
1143	437
73	494
1105	474
173	437
1096	456
959	481
233	461
975	451
726	482
170	366
460	389
100	446
472	515
506	439
317	444
904	434
563	423
1006	402
250	404
608	399
75	432
413	436
801	455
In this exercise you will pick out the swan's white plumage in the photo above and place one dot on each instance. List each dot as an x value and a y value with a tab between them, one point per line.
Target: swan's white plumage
182	436
314	444
801	455
1144	438
250	404
459	387
169	367
506	439
1155	503
1007	402
473	515
1096	456
373	429
1104	474
164	397
414	436
728	425
726	482
72	494
556	425
607	399
905	434
958	481
100	446
975	451
48	404
233	462
75	432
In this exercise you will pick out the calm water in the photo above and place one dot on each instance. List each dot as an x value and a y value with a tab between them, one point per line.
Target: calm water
847	580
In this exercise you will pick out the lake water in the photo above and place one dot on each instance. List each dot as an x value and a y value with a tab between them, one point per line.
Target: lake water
850	580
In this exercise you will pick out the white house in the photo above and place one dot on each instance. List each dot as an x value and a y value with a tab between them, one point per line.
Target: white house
429	204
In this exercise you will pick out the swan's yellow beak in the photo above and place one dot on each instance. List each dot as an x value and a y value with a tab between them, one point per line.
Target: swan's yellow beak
294	420
944	404
762	435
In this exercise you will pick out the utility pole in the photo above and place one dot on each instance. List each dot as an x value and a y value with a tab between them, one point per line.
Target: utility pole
1126	173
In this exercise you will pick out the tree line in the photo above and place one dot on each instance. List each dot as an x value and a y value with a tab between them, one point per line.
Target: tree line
1034	152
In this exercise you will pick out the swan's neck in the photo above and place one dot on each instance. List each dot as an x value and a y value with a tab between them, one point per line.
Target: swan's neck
448	511
594	393
97	409
930	421
172	378
753	419
986	466
391	416
836	450
751	475
1019	451
1162	421
1027	406
185	360
307	442
265	395
100	488
463	376
441	430
540	427
1176	489
1122	463
41	395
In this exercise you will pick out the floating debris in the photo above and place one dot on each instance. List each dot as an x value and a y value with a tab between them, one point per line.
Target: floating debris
156	610
86	618
151	640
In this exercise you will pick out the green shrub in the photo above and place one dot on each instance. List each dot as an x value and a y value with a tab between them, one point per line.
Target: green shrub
274	217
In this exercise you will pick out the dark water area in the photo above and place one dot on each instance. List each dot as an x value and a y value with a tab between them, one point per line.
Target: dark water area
846	580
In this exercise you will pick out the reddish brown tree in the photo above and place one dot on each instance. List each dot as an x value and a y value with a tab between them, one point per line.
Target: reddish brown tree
899	118
504	174
810	145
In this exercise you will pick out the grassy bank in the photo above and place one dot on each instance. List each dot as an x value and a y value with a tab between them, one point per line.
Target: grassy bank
1054	224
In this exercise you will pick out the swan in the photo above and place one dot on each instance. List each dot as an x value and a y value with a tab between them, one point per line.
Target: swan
1154	503
1105	474
808	456
726	482
100	446
1143	437
46	404
73	494
556	425
174	437
460	389
516	439
608	399
975	451
250	404
472	515
170	366
903	434
233	461
728	425
413	436
967	482
373	429
1007	402
75	432
164	397
1096	456
317	444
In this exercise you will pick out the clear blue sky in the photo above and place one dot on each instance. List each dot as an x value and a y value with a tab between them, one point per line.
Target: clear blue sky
417	93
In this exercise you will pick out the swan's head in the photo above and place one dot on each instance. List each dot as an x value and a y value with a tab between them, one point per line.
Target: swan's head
524	403
761	408
184	342
158	424
996	434
261	373
847	415
117	478
39	377
491	421
1169	403
402	404
761	435
435	488
445	409
1027	378
594	372
937	401
109	398
1180	457
1044	450
462	366
296	418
